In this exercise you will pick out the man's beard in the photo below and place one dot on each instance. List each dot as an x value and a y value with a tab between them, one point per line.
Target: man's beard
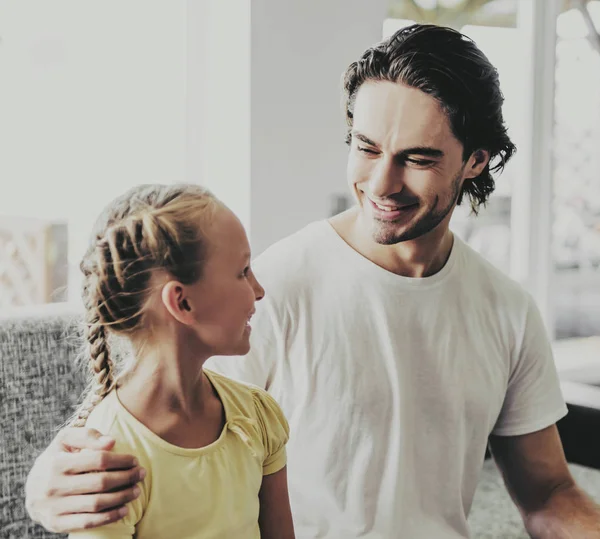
385	233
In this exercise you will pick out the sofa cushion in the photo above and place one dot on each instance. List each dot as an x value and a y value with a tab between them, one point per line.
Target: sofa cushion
39	388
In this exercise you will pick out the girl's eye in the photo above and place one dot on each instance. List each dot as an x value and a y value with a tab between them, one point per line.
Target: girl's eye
246	271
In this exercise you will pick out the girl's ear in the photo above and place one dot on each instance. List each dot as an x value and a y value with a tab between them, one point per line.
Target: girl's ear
176	303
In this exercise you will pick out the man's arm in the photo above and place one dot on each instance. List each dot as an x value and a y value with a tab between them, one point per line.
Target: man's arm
538	479
275	517
78	483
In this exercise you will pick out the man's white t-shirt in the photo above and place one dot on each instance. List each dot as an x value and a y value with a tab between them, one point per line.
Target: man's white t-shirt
392	385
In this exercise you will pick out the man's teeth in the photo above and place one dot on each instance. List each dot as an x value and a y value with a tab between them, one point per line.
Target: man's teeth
387	208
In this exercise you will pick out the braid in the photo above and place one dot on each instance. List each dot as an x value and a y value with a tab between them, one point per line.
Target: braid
100	363
149	228
124	267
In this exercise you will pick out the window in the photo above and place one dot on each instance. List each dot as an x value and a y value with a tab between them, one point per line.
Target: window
576	189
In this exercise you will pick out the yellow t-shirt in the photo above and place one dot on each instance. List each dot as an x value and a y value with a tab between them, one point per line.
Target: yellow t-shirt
210	492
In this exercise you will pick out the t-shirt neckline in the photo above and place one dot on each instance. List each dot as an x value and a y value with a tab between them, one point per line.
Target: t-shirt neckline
167	446
382	274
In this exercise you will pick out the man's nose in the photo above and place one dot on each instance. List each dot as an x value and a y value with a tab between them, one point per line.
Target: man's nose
387	179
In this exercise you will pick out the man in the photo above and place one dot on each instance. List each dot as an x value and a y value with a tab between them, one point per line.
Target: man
395	351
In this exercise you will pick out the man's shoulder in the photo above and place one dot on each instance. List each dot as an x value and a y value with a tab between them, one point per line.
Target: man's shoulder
491	282
299	244
294	258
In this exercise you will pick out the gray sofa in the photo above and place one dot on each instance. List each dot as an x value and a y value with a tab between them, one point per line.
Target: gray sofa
40	385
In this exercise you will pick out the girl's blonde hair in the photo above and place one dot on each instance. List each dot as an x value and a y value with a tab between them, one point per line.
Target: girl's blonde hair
149	228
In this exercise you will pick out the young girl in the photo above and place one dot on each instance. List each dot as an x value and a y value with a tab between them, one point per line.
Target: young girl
169	269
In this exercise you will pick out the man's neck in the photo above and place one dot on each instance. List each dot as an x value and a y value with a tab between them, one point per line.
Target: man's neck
422	257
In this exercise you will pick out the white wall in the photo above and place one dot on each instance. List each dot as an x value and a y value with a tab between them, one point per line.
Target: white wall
92	101
265	125
218	100
299	51
242	96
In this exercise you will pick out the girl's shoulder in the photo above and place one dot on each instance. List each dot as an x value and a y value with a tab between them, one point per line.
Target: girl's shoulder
241	396
104	415
252	402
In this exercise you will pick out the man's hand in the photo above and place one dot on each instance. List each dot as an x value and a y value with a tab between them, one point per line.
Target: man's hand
78	483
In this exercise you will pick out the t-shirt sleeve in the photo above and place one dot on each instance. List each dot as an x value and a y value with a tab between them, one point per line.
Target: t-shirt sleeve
103	420
122	529
116	530
533	399
275	432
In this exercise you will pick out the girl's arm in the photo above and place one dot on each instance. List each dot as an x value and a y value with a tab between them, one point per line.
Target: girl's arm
275	518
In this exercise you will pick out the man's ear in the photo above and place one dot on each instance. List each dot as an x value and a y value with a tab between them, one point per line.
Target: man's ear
176	303
477	163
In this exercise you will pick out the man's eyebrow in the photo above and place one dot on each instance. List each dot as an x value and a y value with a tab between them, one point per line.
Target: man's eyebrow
364	139
426	151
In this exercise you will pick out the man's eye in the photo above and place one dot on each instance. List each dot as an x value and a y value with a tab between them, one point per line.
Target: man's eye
366	150
420	162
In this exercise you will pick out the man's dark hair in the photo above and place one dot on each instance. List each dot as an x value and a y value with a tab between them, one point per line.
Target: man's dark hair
448	66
